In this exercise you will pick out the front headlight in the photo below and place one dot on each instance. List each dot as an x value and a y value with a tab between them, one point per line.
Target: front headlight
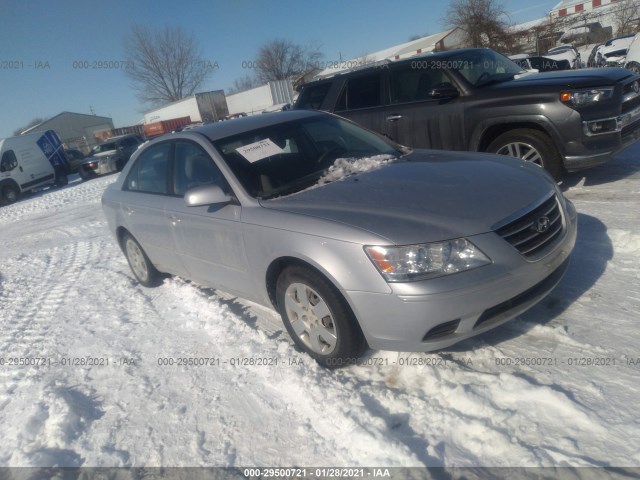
418	262
583	98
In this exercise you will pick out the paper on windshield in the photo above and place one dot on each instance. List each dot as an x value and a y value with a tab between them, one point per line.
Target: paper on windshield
259	150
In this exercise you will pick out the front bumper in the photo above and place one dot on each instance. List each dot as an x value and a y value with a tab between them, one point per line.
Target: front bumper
101	166
433	314
600	147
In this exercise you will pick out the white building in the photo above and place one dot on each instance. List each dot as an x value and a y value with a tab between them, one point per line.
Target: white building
568	7
440	41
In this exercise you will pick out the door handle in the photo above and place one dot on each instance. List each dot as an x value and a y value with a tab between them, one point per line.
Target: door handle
174	219
393	118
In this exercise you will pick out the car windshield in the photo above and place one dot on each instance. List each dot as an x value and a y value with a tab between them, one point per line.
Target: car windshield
289	157
105	147
483	67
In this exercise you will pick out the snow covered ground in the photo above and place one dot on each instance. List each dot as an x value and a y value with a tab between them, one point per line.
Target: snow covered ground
558	386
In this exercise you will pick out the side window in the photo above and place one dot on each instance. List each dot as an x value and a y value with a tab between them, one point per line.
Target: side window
194	167
8	162
413	85
149	174
312	97
360	92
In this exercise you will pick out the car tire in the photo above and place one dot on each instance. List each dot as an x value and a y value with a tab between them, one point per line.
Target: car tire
530	145
9	194
141	266
61	179
84	174
634	67
333	339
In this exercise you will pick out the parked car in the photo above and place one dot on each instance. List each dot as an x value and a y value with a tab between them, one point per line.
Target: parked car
479	100
75	158
354	239
540	64
632	60
584	34
110	156
565	52
614	51
31	161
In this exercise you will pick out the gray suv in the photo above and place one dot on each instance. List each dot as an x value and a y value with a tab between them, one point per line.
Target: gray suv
479	100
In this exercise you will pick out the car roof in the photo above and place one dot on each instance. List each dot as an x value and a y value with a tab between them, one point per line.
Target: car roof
219	130
390	63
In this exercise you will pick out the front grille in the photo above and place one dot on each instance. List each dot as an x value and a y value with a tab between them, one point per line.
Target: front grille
631	96
631	104
535	232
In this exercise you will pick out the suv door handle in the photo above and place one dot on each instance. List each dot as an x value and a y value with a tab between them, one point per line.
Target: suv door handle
393	118
174	219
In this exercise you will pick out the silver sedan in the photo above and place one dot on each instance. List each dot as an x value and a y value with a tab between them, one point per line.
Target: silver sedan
354	240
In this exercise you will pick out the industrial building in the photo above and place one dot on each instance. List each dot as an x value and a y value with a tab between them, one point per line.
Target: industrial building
76	130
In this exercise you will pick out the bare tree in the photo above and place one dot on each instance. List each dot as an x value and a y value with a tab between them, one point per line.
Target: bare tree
241	84
483	21
166	64
32	123
625	16
282	59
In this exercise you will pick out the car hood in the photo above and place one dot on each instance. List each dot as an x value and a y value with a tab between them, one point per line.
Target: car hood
581	78
426	196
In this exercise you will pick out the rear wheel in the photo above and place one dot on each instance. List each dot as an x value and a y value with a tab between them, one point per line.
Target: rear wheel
318	318
532	146
61	179
9	194
140	264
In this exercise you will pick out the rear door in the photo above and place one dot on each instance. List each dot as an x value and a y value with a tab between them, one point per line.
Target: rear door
361	100
416	115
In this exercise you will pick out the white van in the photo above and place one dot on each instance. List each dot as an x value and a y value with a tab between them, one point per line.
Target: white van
30	161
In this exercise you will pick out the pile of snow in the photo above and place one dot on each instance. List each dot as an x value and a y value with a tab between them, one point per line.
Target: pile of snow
556	387
343	167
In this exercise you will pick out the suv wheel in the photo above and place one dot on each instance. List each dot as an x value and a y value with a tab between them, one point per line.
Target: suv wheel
532	146
318	318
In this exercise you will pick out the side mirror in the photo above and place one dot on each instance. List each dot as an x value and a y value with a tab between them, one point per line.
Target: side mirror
206	195
445	92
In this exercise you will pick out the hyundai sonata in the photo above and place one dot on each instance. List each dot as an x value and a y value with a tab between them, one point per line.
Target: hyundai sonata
354	240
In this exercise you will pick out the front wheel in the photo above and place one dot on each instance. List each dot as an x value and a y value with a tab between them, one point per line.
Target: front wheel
140	264
9	194
532	146
318	318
